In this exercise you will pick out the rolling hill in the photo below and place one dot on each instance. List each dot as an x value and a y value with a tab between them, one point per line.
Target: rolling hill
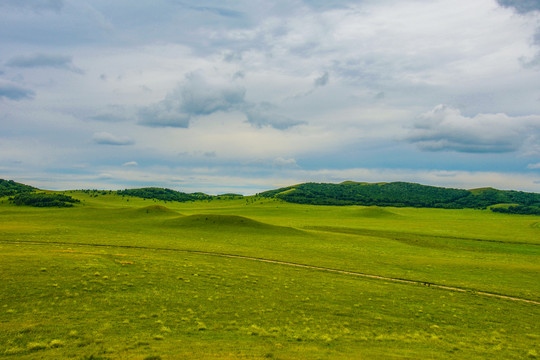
10	188
403	194
396	194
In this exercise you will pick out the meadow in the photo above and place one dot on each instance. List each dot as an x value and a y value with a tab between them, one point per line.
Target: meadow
125	278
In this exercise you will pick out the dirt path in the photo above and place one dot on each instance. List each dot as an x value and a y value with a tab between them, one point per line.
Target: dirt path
286	263
405	281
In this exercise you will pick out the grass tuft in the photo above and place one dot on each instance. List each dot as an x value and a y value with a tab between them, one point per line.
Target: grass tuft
14	350
56	343
152	357
165	329
95	357
35	346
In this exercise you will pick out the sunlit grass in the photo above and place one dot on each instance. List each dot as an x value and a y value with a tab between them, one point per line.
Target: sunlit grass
143	297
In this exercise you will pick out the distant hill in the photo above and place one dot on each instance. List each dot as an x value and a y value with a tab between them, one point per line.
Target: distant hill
44	200
10	188
163	194
397	194
403	194
21	194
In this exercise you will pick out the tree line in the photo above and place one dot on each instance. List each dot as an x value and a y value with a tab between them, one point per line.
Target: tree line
43	200
163	194
10	187
403	194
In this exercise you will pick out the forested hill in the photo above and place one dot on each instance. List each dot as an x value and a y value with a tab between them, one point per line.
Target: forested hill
398	194
163	194
10	187
401	194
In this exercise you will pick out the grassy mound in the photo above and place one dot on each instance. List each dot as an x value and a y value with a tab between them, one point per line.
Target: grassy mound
151	211
215	222
375	212
156	210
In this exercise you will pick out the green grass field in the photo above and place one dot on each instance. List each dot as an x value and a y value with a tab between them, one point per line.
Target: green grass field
127	278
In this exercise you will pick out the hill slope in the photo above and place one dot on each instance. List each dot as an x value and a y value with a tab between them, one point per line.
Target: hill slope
10	187
403	194
397	194
163	194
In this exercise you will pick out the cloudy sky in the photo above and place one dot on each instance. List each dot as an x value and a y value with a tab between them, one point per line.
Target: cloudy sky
248	95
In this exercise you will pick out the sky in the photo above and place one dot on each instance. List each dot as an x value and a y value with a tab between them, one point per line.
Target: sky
244	96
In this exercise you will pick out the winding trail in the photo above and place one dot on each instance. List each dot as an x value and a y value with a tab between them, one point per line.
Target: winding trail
285	263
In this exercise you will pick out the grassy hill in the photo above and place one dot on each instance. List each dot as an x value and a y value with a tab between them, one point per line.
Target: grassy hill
397	194
21	194
402	194
10	187
163	194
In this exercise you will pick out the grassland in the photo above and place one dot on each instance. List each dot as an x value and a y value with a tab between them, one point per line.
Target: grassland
126	278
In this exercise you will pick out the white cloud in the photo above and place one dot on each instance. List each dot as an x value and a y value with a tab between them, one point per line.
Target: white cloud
285	163
266	114
445	129
196	96
105	176
534	166
202	95
130	163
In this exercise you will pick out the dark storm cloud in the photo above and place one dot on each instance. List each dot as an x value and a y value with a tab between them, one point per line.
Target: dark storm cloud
14	92
43	60
521	6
